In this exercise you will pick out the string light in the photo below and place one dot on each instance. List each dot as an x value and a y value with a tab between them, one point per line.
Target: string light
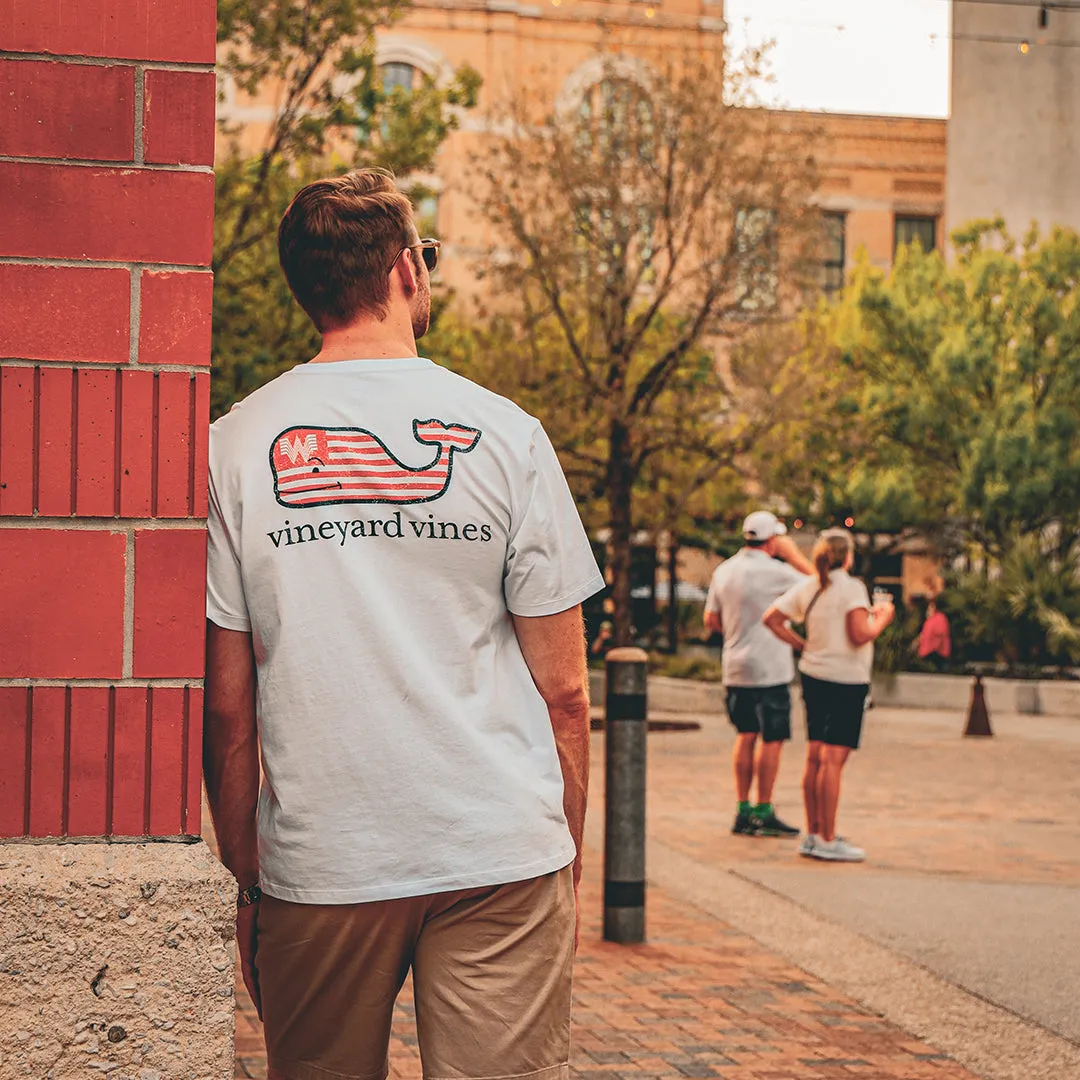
650	12
1023	48
849	522
798	523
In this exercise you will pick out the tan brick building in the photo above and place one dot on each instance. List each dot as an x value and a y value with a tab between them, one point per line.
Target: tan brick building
883	177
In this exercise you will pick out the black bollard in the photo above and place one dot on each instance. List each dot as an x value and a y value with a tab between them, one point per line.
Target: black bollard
624	825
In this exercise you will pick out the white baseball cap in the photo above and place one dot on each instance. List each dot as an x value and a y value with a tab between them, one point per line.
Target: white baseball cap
762	525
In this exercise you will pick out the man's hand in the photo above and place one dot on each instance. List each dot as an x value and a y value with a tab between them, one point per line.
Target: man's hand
554	649
247	940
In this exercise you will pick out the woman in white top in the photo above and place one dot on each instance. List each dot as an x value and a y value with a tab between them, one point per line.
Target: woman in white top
837	658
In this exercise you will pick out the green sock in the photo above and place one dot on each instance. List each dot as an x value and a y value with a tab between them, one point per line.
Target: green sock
763	809
745	807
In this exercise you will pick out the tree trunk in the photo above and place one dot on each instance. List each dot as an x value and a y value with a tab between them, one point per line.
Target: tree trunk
619	487
673	603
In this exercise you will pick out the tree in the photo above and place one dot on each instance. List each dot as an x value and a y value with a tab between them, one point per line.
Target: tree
641	228
331	112
948	395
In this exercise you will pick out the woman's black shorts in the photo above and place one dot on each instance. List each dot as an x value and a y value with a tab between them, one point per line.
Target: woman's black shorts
834	711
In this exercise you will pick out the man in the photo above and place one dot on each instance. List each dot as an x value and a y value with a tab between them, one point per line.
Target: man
758	667
396	568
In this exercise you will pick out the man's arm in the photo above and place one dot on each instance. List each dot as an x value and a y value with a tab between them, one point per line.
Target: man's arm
231	769
713	623
231	749
786	548
554	649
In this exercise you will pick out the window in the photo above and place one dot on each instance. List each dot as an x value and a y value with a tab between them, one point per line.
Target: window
832	262
617	117
756	279
427	213
398	76
912	229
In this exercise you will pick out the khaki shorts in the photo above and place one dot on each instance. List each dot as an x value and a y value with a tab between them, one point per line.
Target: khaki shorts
491	976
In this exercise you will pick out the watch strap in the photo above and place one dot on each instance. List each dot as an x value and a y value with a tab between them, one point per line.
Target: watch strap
247	897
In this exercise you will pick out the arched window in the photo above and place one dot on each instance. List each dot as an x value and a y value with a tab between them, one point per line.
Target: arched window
396	75
617	117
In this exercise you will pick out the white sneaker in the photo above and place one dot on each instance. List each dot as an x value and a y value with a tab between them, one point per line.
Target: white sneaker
806	845
837	850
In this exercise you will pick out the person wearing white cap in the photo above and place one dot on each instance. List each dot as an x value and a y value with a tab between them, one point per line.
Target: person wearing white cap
758	668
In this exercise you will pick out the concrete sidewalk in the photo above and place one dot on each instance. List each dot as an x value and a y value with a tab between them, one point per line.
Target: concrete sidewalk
699	1000
951	953
962	926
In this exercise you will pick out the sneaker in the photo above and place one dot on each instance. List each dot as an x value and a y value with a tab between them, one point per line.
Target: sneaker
770	825
806	846
837	850
744	824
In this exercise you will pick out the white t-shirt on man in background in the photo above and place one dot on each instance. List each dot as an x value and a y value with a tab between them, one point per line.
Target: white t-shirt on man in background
742	589
829	653
373	523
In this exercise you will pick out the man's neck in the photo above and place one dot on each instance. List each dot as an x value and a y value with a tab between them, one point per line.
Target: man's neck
368	340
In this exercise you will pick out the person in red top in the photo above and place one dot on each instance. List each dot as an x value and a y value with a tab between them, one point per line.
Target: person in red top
935	642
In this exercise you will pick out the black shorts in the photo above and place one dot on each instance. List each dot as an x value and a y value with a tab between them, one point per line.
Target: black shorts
761	710
834	711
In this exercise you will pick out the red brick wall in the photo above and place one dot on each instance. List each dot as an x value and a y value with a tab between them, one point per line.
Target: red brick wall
106	189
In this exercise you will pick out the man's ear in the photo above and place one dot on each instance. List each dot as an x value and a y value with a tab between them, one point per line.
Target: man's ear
406	268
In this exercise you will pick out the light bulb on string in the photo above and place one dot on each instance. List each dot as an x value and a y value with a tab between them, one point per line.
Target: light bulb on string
650	13
1024	48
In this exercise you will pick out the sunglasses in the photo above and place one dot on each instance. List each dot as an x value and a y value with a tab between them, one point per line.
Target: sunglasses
429	252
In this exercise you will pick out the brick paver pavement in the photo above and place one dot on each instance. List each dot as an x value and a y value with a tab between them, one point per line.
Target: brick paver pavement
699	1000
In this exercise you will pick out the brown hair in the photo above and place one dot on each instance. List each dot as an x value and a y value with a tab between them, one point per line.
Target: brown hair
830	553
337	242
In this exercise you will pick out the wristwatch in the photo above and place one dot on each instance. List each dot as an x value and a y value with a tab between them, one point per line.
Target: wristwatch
247	897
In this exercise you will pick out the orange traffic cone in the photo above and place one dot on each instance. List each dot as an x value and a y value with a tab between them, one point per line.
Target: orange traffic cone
978	721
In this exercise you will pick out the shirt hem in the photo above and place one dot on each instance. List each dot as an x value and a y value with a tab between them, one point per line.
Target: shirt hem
561	603
371	893
859	681
227	622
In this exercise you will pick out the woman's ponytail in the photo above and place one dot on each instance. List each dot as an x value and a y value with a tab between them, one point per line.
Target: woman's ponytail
822	564
831	552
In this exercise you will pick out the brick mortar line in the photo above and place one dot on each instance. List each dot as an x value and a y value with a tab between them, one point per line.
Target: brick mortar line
135	315
111	841
108	61
103	524
87	163
98	365
126	681
103	264
140	115
128	663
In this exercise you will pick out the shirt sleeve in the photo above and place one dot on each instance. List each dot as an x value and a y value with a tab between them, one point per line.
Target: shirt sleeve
226	604
550	566
712	599
791	576
794	602
857	597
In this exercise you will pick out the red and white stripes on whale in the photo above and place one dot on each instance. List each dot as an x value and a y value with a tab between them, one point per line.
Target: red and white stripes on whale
314	466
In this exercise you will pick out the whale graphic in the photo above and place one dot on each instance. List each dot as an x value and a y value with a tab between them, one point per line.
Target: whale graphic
316	466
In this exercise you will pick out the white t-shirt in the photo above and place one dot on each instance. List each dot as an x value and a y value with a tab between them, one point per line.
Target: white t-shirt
829	653
372	523
742	589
